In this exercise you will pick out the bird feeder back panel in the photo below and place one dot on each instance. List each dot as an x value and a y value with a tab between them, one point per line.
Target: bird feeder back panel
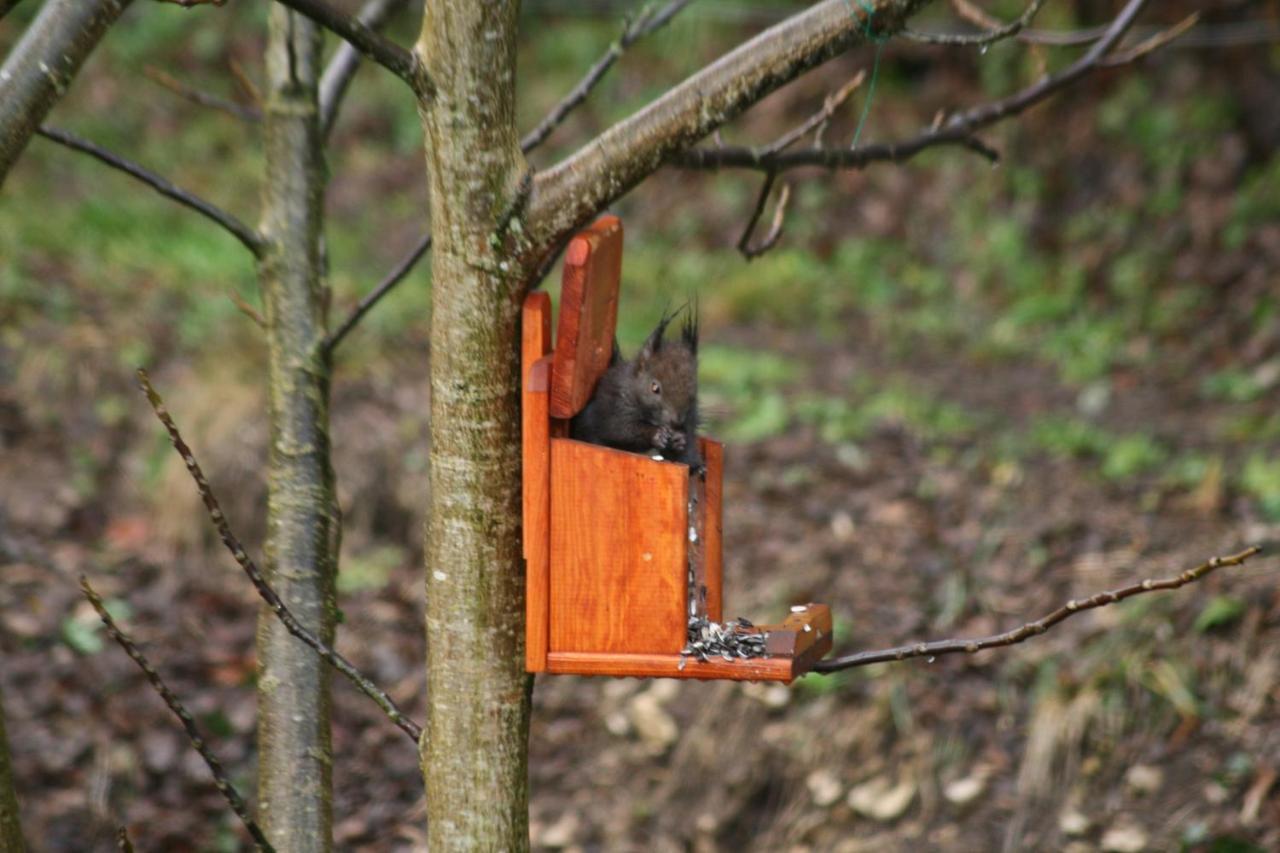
588	315
610	544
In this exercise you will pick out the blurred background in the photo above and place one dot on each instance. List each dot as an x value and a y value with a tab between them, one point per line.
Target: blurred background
954	396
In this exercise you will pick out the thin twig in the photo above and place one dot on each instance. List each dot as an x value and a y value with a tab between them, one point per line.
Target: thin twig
370	299
633	31
246	309
391	56
775	229
346	60
251	239
204	99
269	595
818	121
220	780
1234	34
993	34
1151	44
959	129
1039	626
245	81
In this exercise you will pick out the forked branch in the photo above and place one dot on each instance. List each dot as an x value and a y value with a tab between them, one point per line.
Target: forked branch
269	595
569	194
1039	626
994	32
346	60
959	129
817	122
220	780
635	30
391	56
775	229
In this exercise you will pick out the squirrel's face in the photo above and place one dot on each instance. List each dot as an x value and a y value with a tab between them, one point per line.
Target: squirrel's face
652	398
665	376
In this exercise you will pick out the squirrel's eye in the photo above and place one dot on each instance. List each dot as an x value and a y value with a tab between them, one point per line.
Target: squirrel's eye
655	388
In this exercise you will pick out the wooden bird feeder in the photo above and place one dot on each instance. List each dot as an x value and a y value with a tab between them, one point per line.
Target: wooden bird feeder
611	546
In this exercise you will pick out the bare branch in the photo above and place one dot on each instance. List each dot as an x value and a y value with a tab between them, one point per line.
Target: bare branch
775	230
245	81
246	309
384	287
41	66
1151	44
1232	34
391	56
993	34
974	14
1032	629
643	25
329	655
204	99
959	129
570	193
346	60
251	239
220	780
818	121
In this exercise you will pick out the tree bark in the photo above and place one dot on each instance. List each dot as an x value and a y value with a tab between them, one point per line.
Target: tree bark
10	827
41	66
474	752
294	769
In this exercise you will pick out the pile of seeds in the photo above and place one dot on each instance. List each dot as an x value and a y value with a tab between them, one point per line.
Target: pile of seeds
736	640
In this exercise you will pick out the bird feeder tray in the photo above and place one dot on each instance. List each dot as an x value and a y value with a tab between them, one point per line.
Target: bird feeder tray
614	541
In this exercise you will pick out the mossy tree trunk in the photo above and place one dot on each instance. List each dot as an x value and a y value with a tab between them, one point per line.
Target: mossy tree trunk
294	763
474	752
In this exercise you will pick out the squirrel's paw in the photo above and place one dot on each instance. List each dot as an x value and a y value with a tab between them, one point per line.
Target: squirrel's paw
668	439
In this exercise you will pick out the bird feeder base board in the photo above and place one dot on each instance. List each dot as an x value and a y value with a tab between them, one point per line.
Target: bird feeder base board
794	650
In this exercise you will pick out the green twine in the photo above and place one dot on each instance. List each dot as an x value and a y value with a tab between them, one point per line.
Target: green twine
879	40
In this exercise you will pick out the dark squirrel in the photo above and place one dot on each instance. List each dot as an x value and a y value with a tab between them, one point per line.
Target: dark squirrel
649	404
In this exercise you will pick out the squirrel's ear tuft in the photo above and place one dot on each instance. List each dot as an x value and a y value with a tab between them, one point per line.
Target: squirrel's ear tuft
615	357
689	331
653	343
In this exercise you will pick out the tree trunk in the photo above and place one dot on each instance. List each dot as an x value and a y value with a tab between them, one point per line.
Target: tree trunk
475	746
40	68
10	826
294	763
